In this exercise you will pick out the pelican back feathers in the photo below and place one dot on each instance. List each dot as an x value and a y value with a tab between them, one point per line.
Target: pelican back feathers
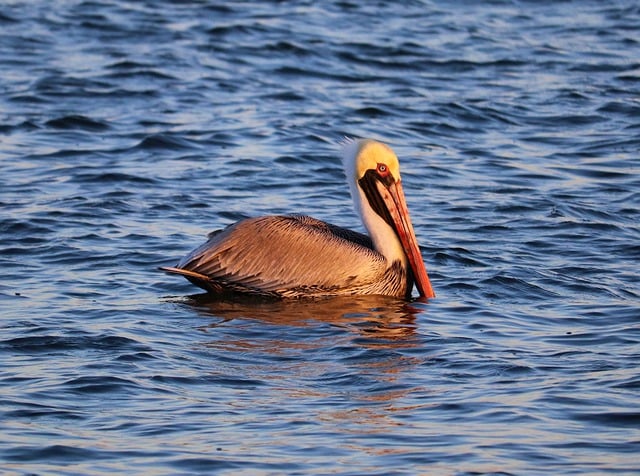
291	256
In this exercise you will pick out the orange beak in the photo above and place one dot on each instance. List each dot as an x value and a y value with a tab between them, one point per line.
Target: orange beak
393	197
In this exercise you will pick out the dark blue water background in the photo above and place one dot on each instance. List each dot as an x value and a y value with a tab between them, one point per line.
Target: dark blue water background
129	130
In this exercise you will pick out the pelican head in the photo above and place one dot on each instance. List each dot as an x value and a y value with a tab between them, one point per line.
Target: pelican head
373	172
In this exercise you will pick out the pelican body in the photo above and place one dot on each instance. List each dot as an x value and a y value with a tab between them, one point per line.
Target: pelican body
298	256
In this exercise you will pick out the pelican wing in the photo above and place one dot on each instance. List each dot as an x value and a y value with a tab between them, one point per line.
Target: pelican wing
284	255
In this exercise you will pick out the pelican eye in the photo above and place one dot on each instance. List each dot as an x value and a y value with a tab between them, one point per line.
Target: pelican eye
383	170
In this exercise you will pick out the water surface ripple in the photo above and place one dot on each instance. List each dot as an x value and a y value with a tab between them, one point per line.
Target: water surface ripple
129	130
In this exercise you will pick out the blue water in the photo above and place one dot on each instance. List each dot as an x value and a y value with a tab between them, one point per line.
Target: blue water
129	130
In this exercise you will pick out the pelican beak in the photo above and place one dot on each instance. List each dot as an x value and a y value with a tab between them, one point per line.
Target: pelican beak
393	197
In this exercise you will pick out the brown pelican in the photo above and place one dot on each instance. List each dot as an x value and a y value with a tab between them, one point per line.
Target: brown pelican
299	256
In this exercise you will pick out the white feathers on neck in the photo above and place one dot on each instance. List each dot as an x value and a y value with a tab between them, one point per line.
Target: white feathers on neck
384	238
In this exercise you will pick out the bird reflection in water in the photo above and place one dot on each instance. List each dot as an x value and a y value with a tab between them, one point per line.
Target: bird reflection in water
381	321
346	357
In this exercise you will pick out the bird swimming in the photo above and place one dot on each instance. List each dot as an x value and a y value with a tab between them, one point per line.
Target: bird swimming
295	256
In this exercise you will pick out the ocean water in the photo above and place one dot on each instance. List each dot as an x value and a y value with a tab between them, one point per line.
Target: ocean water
129	130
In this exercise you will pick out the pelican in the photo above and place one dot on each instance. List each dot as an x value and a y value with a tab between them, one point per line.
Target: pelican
293	256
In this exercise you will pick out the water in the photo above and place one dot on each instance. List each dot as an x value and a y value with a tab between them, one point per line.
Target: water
130	130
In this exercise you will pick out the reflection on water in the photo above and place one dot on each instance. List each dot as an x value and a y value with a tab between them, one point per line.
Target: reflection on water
382	320
317	351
